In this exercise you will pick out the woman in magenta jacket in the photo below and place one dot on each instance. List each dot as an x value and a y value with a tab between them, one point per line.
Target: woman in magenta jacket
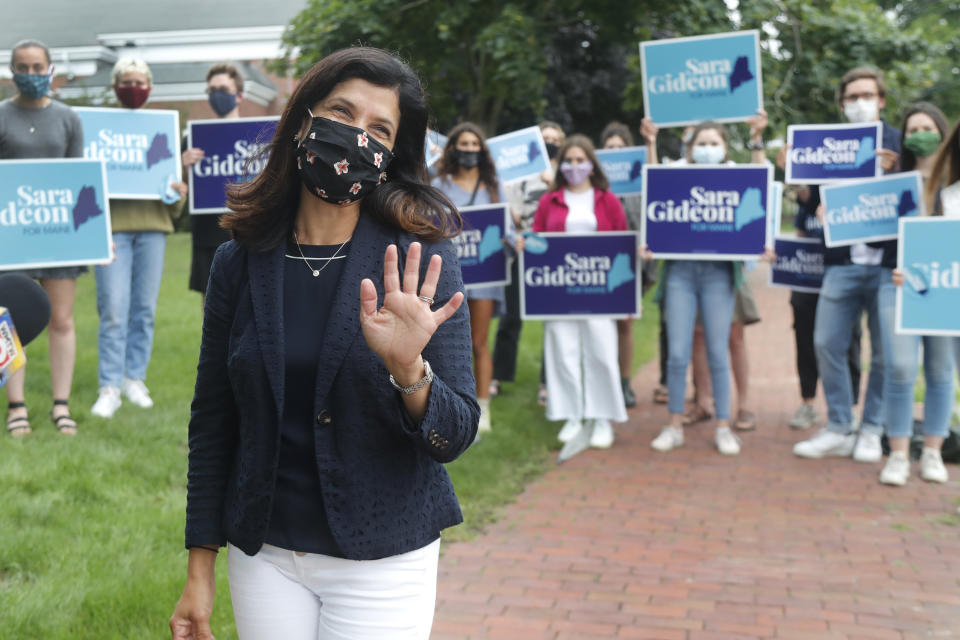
583	377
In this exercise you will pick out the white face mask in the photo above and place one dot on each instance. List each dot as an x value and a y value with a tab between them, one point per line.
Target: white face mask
708	154
861	111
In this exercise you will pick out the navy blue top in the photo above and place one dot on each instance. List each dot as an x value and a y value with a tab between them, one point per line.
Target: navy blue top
298	521
806	218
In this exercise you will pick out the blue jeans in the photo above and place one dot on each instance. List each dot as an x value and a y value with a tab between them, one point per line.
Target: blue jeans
708	286
847	291
127	293
901	361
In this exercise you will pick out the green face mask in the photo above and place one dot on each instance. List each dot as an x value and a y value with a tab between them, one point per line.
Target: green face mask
922	143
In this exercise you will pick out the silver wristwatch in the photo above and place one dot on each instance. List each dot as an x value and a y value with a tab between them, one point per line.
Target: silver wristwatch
416	386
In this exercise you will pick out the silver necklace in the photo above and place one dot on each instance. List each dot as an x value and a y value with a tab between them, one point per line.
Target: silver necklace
316	272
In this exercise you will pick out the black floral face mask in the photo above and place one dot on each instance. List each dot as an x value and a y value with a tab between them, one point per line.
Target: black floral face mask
339	163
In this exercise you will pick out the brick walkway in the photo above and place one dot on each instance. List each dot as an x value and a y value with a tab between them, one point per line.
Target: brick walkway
690	545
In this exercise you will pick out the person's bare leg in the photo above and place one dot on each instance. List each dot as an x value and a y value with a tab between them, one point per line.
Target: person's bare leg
740	365
625	346
481	312
15	394
63	341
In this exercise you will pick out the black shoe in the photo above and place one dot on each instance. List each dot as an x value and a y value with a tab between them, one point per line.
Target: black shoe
629	398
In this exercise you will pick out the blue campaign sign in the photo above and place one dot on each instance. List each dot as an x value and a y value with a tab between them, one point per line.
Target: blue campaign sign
483	260
706	213
928	303
53	213
868	211
624	169
519	155
776	209
825	153
433	146
565	276
141	148
713	77
232	153
799	264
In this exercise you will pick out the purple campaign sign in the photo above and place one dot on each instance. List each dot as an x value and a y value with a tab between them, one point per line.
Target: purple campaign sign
799	264
706	213
565	276
824	153
231	154
483	260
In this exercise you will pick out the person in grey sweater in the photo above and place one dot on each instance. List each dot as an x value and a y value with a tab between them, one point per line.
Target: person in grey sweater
32	125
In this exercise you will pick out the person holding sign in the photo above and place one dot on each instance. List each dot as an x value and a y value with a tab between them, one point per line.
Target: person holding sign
466	174
852	275
707	287
924	127
331	387
127	289
224	93
32	125
616	135
583	377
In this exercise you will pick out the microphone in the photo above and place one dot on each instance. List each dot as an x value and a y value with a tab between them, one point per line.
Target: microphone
24	313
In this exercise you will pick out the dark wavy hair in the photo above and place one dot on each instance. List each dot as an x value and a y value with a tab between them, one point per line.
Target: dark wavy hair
945	169
908	159
598	179
263	209
447	165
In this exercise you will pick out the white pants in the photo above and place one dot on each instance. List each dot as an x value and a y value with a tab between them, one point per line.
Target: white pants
583	374
281	594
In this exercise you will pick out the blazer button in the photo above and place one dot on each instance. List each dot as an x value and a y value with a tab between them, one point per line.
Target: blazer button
324	418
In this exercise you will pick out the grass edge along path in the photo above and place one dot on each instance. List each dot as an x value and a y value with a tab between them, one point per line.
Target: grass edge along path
91	528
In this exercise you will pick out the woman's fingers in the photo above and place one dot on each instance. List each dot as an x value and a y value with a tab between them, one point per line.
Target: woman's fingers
368	298
391	274
444	313
411	270
430	280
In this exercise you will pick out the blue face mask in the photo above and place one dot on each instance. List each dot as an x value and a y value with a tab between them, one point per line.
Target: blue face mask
708	154
32	85
222	101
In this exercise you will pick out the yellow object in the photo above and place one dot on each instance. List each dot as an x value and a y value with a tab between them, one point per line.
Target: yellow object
12	355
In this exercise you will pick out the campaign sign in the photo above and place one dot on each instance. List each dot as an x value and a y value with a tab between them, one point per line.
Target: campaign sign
565	276
776	209
519	155
689	80
624	169
869	211
928	303
706	213
53	213
483	260
799	264
824	153
433	146
232	153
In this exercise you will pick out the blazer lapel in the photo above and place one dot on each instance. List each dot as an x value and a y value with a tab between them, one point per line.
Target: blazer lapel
266	290
365	260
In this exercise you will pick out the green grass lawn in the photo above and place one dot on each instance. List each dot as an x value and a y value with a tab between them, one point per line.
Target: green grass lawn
91	527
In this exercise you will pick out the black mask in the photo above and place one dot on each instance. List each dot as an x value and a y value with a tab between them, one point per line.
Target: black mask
466	159
339	163
552	150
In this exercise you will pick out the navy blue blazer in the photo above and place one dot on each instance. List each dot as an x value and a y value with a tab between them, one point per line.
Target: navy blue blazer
385	490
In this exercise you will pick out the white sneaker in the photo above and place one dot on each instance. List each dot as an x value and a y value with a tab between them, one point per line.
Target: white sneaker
897	469
570	430
868	447
670	438
484	425
602	436
805	417
107	402
825	443
137	393
727	443
931	466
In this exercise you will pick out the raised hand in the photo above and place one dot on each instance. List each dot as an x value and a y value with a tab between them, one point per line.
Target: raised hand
403	326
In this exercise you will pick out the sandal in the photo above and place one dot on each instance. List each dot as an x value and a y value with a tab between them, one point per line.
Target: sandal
746	420
494	388
542	395
64	423
696	414
17	427
661	395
